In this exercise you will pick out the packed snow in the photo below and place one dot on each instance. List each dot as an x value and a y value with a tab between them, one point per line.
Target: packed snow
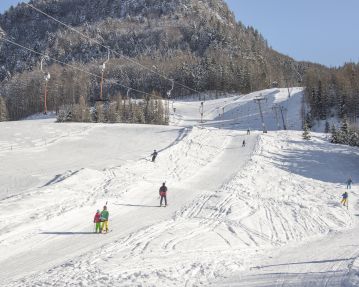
262	214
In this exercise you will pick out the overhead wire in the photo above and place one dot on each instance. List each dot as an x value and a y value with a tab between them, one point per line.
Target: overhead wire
72	66
113	51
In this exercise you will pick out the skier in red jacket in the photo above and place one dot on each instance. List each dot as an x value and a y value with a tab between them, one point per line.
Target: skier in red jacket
97	221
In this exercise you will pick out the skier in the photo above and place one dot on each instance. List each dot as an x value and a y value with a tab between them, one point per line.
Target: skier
163	193
248	131
104	219
345	199
349	183
154	155
244	143
97	221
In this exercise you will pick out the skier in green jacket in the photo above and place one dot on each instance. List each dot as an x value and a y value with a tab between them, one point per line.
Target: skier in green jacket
104	219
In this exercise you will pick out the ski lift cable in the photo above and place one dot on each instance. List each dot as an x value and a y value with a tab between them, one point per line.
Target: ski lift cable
72	66
113	51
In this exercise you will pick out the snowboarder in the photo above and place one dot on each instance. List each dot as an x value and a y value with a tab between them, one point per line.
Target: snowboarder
97	221
154	155
244	143
104	219
349	183
248	131
345	199
163	193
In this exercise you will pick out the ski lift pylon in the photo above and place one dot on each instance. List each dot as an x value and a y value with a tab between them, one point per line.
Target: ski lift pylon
47	77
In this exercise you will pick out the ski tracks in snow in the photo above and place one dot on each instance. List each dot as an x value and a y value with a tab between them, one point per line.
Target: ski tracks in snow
180	163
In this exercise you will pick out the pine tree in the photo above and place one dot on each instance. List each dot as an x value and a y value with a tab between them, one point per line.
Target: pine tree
100	113
76	113
327	127
84	110
306	132
309	120
345	125
335	135
3	110
65	114
139	113
112	113
119	109
353	138
344	131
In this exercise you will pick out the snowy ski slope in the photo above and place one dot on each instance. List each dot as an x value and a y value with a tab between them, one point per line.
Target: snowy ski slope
260	215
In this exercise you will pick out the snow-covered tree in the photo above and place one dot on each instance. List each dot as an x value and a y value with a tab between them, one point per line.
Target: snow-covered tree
65	114
306	132
335	136
354	138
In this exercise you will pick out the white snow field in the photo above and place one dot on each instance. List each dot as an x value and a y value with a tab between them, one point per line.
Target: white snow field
267	214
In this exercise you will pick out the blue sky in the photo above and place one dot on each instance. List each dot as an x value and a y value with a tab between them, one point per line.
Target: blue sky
321	31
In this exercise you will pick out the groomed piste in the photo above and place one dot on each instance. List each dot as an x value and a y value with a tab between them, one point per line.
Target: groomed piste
262	214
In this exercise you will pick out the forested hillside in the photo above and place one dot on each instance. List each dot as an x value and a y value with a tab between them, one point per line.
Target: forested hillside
196	43
333	92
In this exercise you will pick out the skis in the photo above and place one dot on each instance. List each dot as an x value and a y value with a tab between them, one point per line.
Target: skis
110	230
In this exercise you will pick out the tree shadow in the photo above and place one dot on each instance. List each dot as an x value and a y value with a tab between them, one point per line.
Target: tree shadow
306	262
329	164
293	279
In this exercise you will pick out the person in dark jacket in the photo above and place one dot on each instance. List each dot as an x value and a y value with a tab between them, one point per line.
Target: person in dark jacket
349	183
244	143
154	155
163	193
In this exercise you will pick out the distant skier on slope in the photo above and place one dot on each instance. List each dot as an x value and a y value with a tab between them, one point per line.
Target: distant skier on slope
97	221
154	155
248	131
104	219
244	143
345	199
163	193
349	183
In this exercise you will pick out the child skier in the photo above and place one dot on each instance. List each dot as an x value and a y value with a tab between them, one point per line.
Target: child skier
345	199
244	143
104	219
97	221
